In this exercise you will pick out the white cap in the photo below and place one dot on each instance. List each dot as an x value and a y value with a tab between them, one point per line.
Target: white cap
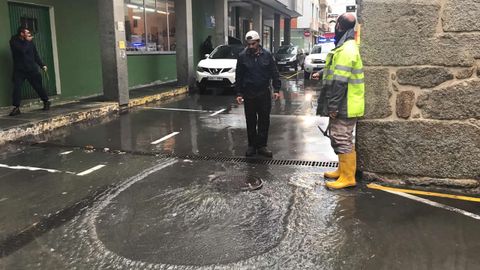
252	35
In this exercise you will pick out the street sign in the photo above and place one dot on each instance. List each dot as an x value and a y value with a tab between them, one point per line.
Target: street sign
307	33
351	8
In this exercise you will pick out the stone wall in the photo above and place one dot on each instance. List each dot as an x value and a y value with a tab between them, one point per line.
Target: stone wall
422	68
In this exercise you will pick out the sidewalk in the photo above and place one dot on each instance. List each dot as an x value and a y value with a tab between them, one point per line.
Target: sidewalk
34	121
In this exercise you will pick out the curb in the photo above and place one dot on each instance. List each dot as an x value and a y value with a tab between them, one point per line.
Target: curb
38	127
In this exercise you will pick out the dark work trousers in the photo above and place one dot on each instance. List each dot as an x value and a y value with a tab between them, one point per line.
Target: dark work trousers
35	80
257	115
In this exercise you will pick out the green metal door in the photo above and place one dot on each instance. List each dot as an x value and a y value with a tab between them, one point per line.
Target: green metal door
37	19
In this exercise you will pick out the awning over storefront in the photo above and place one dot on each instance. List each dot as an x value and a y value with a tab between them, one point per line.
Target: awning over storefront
281	7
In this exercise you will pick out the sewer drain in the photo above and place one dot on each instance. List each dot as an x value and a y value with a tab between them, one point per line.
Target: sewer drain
260	161
235	183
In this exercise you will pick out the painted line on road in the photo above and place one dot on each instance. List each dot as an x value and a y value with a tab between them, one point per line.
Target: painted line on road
426	193
98	167
165	138
18	167
66	153
291	76
435	204
176	109
218	112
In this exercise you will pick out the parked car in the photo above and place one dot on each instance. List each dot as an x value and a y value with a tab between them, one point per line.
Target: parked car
316	60
289	56
218	69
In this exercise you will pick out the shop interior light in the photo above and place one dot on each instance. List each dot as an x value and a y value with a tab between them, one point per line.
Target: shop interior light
136	17
161	12
149	10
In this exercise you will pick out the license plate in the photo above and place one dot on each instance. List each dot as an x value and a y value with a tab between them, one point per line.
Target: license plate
215	79
282	63
319	66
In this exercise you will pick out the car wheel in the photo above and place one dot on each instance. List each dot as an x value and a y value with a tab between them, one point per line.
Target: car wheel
306	75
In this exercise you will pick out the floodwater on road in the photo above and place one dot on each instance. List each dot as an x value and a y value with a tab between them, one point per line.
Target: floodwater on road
162	188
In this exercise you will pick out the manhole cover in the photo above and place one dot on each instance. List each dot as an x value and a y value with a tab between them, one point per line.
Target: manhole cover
235	183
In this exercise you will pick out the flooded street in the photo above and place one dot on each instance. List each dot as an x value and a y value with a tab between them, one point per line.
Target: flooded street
162	188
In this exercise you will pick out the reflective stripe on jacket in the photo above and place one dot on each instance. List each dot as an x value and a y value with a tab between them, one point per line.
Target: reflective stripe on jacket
343	81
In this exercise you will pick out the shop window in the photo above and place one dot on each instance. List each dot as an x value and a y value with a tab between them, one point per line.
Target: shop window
150	26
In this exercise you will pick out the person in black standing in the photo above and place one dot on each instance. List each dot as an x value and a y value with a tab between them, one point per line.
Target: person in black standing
25	66
255	72
207	46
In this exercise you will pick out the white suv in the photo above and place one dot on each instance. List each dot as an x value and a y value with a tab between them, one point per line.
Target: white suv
316	60
218	69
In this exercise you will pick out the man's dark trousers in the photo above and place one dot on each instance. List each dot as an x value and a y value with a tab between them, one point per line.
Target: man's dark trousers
257	115
34	78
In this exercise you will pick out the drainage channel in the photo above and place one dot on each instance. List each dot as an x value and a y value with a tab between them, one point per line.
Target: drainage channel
260	161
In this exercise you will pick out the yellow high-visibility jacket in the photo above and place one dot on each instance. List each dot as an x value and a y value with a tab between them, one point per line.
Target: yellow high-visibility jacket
343	88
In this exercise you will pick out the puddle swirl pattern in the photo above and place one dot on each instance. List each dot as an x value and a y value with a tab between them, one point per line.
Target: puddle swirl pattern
168	217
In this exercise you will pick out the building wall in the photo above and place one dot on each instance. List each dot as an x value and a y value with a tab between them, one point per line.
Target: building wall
201	10
307	20
422	69
5	57
78	48
150	69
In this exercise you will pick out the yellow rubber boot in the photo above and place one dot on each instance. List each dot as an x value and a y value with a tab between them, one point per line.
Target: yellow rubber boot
334	174
348	165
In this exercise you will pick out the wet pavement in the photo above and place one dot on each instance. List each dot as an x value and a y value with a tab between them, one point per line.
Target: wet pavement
162	188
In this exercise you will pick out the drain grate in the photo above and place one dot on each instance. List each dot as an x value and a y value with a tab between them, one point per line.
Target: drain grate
280	162
260	161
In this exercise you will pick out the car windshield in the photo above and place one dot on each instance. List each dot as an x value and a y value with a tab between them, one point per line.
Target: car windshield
324	48
287	50
226	52
327	47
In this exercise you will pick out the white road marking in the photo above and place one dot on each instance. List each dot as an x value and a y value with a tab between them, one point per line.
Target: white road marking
98	167
435	204
18	167
176	109
218	112
165	138
96	247
66	153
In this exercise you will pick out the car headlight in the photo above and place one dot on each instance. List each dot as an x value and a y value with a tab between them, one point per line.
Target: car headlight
232	70
200	69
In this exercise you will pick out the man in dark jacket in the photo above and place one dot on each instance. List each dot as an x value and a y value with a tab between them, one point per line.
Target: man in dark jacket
255	72
25	66
207	47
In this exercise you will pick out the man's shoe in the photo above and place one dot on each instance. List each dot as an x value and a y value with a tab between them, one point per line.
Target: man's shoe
46	105
264	152
250	151
15	111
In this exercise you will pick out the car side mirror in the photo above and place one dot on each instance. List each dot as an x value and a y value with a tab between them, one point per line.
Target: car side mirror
307	53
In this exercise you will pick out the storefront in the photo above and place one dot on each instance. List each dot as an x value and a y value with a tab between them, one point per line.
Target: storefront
67	37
